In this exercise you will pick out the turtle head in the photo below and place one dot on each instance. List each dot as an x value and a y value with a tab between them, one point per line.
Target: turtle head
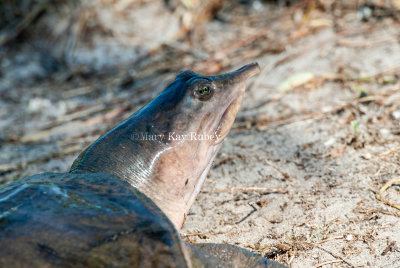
198	108
166	149
209	104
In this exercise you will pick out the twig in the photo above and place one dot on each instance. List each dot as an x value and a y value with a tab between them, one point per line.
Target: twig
328	239
224	160
384	188
379	210
291	260
327	262
336	256
363	44
194	234
390	213
248	215
252	190
284	174
81	113
390	247
77	92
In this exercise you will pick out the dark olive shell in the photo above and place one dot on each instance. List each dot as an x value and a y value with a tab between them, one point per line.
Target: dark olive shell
91	220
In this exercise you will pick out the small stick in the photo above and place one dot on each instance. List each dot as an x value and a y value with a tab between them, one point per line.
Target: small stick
379	210
390	213
252	190
390	247
290	261
284	174
193	234
327	262
335	255
329	239
384	188
248	215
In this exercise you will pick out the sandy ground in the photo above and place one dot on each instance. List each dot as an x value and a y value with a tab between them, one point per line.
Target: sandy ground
297	180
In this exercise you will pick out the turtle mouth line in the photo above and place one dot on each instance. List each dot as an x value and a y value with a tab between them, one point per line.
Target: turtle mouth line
225	122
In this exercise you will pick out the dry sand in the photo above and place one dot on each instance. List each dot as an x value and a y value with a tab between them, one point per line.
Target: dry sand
297	179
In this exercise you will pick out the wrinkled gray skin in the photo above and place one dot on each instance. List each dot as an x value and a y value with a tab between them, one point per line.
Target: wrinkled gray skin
128	193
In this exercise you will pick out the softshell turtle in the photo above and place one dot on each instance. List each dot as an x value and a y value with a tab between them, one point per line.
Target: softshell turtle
127	195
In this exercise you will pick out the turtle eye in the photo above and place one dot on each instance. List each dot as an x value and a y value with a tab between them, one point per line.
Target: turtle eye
203	92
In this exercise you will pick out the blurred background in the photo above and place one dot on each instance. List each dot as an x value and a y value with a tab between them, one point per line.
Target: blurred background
71	70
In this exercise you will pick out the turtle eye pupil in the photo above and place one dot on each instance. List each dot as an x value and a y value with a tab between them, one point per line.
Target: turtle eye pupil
204	90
